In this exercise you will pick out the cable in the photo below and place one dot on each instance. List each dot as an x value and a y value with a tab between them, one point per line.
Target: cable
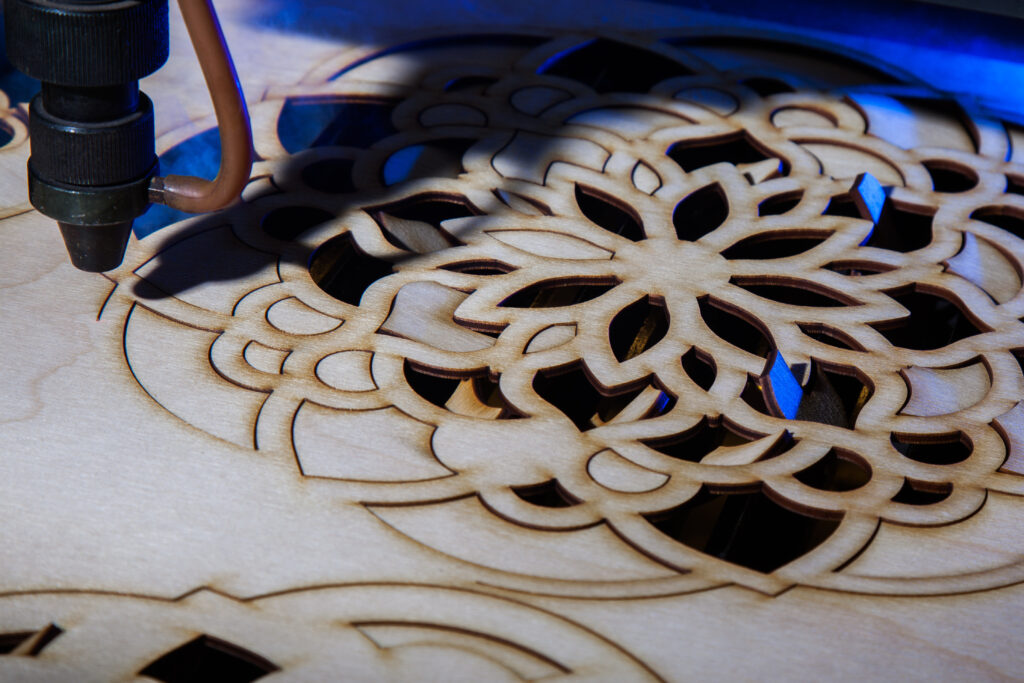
198	195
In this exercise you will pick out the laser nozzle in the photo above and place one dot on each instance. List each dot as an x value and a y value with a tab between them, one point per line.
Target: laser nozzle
96	248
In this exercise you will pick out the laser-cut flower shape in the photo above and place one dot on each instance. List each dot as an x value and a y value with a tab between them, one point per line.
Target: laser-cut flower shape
641	312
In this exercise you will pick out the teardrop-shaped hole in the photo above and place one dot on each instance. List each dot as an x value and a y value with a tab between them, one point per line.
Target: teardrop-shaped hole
839	470
780	203
700	213
480	267
548	494
943	449
700	368
637	328
607	214
558	292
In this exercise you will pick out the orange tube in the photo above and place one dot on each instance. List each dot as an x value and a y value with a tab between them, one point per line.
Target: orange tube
198	195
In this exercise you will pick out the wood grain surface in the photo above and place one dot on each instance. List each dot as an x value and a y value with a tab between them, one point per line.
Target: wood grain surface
530	355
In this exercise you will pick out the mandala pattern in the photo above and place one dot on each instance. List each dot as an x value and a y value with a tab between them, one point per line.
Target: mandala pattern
361	631
704	310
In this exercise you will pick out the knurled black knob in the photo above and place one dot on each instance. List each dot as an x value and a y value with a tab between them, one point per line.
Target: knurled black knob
86	43
100	153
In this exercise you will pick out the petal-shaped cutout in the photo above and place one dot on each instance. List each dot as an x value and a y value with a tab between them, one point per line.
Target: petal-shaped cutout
637	327
612	471
700	367
733	329
551	337
481	267
934	321
374	445
987	267
645	178
425	312
557	292
294	317
940	391
550	244
347	371
607	214
774	244
748	529
700	212
548	494
793	292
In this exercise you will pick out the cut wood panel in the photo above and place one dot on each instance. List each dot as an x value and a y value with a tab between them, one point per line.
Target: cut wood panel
526	357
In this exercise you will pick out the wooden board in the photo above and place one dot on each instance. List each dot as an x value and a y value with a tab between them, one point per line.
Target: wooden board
529	356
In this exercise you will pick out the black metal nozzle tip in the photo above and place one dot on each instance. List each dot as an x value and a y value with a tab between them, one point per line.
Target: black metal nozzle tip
96	248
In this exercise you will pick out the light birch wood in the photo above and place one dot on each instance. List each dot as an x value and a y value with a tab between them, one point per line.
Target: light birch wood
458	454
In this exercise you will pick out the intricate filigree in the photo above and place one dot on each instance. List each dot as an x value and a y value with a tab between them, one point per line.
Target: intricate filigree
715	317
